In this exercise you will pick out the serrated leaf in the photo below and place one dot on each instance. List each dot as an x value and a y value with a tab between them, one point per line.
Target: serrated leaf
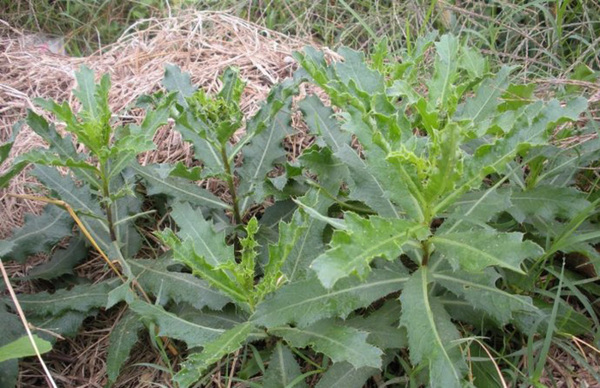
480	290
283	369
62	146
172	326
66	324
486	100
193	130
220	278
531	128
354	248
82	201
475	208
225	319
22	347
516	96
330	337
354	70
320	120
372	182
62	261
177	81
431	333
345	375
11	172
158	182
446	65
547	202
120	343
207	242
472	61
154	277
267	129
307	301
474	251
307	232
382	326
330	172
196	364
80	298
38	234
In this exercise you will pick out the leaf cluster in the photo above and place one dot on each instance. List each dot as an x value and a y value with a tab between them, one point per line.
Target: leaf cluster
426	215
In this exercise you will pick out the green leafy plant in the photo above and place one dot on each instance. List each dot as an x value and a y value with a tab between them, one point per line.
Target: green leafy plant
424	220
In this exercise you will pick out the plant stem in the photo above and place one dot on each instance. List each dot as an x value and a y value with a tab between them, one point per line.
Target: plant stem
108	207
236	210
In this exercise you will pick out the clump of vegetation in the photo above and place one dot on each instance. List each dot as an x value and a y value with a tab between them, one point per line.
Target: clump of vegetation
422	238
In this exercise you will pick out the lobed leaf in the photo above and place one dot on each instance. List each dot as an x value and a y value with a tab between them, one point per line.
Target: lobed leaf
38	234
196	364
283	369
476	250
330	337
81	298
364	239
431	333
155	277
120	343
172	326
307	301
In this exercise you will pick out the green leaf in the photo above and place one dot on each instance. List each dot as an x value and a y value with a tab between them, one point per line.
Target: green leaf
38	234
22	347
330	337
306	234
354	248
12	329
307	301
11	172
220	278
266	131
516	96
172	326
196	364
155	277
207	243
81	200
320	120
194	131
547	202
66	324
472	61
62	261
353	70
177	81
480	108
121	341
382	326
475	208
479	289
474	251
80	298
431	333
531	128
345	375
158	182
61	146
446	66
283	369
